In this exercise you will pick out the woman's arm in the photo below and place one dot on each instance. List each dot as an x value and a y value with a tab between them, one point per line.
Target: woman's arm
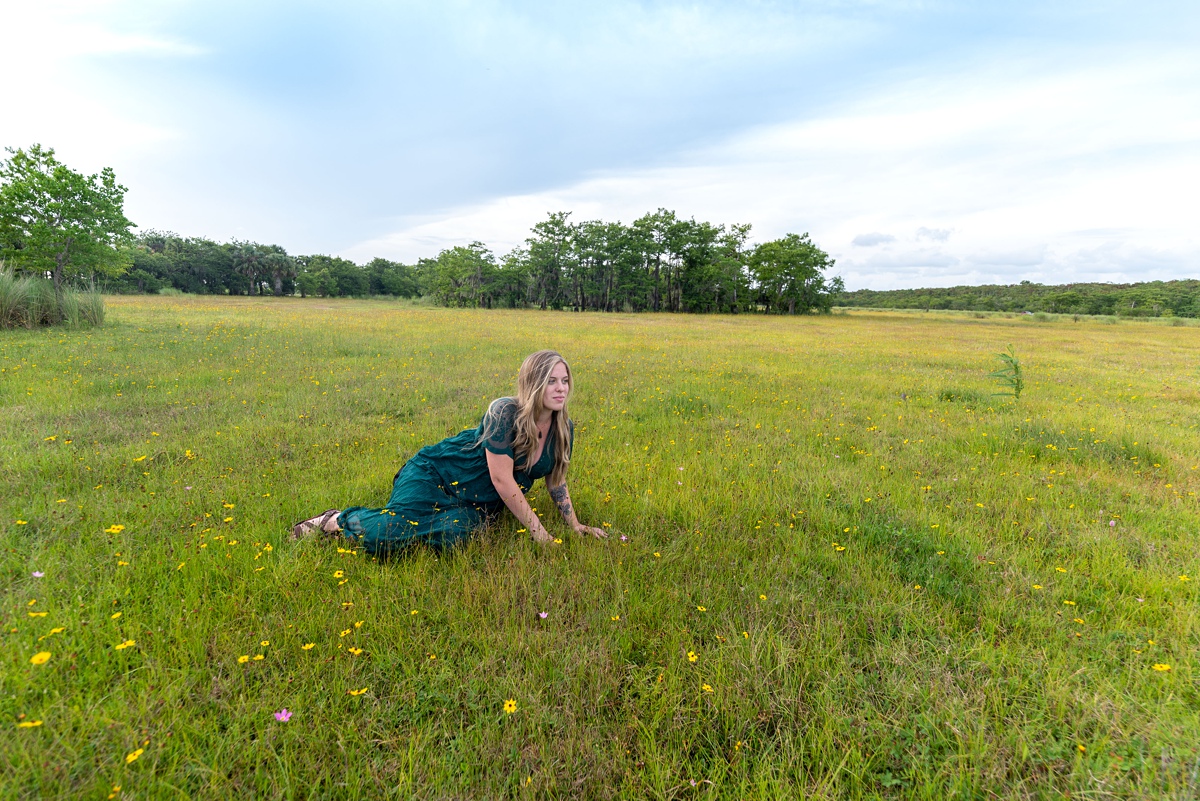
562	499
501	469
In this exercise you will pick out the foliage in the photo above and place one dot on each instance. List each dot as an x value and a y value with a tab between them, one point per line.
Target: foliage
462	276
1010	375
1150	299
790	271
875	592
31	301
55	221
659	263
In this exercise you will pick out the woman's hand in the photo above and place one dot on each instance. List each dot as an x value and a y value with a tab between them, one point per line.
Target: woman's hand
543	537
598	533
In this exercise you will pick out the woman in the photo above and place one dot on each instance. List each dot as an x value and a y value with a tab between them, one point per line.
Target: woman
448	490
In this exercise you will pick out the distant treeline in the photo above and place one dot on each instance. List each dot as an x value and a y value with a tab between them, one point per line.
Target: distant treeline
658	263
1152	299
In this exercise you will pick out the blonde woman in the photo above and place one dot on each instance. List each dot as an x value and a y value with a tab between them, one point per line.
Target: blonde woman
448	490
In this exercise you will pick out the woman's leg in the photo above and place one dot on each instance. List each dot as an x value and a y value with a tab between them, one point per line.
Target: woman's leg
418	511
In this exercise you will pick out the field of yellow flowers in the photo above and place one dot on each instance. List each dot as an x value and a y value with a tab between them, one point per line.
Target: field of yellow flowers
838	565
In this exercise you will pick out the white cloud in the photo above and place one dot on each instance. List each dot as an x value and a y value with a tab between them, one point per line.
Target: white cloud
871	240
1041	171
53	98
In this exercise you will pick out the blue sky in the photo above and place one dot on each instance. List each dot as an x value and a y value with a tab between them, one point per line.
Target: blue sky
920	143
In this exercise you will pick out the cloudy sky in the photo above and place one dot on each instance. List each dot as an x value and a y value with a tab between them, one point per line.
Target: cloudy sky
920	142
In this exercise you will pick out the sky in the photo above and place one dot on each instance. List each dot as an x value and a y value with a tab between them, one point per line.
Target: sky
920	143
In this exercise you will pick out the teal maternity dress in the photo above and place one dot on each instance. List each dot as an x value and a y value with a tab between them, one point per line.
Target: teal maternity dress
445	492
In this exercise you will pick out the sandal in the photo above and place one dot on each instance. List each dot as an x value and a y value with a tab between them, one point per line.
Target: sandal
306	527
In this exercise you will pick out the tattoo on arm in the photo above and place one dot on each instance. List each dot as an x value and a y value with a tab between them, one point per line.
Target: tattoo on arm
563	501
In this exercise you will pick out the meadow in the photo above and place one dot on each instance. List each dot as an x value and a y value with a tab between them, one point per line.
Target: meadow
839	567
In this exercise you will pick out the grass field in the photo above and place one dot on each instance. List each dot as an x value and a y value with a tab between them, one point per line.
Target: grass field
838	566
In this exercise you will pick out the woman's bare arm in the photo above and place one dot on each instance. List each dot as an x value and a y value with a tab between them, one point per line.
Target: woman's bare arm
562	499
501	469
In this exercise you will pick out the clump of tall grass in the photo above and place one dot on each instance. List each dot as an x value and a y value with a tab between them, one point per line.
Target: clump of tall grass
31	301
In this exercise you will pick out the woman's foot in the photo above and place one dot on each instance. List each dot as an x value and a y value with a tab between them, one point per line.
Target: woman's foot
325	523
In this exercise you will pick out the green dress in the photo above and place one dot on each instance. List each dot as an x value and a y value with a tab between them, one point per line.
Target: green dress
445	492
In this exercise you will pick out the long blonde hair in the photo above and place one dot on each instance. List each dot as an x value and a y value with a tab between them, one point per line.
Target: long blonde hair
532	379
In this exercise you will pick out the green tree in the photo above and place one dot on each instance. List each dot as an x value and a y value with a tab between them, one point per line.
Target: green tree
331	277
55	220
464	276
791	272
551	256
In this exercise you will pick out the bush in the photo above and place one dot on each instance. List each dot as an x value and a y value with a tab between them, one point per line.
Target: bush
31	301
969	397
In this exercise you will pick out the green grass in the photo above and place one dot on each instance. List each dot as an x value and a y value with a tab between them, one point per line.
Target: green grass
914	658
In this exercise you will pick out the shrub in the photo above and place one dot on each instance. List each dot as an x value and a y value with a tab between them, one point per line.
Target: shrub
31	301
969	397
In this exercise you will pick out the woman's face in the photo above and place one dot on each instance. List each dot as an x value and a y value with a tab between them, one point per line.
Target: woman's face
555	395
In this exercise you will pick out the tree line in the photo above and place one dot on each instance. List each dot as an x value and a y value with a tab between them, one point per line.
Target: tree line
660	262
1149	299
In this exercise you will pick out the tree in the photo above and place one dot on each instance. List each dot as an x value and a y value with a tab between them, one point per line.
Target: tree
464	276
55	220
331	277
551	251
281	267
790	271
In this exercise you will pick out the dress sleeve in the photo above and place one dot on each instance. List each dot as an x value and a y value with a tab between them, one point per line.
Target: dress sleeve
500	438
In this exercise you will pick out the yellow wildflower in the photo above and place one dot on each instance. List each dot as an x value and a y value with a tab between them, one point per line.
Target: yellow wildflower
28	724
133	755
692	657
510	706
1161	668
40	658
308	646
243	659
356	692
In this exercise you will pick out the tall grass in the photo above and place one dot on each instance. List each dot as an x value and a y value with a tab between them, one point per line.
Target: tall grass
31	301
